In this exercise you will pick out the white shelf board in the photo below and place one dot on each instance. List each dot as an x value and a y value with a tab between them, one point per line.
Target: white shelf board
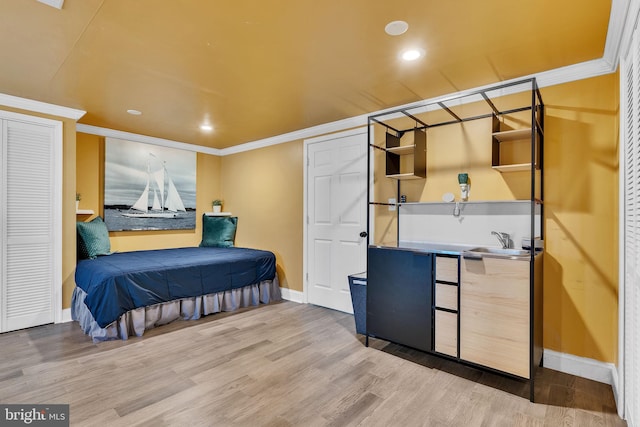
513	135
404	176
84	212
513	168
403	149
217	213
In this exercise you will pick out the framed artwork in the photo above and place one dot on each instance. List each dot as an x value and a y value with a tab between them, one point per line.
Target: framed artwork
148	187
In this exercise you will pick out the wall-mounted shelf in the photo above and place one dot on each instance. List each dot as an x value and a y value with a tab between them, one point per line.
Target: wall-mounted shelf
406	149
512	135
405	176
84	212
406	160
520	167
511	149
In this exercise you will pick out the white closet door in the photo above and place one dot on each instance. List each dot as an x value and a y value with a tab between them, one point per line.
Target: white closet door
630	117
28	235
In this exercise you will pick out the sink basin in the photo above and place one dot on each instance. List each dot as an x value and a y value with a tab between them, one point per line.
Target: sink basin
499	251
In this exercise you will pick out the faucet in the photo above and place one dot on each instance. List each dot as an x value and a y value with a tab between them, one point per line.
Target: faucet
504	238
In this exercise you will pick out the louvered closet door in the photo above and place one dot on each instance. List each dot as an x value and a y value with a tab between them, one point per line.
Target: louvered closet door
630	100
28	232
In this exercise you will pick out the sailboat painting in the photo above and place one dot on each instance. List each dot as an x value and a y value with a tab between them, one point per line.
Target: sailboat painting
148	187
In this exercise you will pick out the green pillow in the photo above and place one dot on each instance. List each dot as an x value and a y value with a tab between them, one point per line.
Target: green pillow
93	239
219	231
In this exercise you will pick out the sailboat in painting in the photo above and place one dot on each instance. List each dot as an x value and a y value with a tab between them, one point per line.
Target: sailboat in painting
166	205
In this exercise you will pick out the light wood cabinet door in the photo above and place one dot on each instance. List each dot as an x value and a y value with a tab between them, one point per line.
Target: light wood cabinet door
494	314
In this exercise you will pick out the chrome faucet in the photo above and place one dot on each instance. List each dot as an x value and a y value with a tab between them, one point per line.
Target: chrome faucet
504	238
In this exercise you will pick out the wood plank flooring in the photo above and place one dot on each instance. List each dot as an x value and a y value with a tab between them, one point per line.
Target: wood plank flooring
284	364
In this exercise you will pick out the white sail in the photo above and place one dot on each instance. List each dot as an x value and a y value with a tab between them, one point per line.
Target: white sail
142	204
174	202
159	178
156	203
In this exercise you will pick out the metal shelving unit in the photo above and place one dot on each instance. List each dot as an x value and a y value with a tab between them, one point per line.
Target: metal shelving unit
495	103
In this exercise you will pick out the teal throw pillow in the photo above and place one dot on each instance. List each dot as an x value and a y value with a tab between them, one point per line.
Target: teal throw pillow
219	231
93	239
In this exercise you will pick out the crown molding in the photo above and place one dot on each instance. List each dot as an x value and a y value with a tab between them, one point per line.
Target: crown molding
625	25
112	133
40	107
584	70
318	130
618	19
621	23
554	77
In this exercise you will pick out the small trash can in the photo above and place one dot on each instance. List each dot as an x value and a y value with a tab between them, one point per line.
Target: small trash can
358	288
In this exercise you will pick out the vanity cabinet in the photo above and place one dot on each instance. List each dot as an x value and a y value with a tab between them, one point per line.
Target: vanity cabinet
446	305
495	314
399	296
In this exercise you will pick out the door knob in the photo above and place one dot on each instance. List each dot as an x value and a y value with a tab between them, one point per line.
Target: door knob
363	234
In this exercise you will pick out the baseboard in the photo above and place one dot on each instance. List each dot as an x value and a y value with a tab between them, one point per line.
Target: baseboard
581	366
291	295
615	387
66	315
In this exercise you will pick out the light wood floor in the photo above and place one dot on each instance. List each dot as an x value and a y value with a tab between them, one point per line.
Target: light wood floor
285	364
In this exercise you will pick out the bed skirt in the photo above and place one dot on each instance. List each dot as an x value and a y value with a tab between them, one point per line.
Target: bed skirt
135	322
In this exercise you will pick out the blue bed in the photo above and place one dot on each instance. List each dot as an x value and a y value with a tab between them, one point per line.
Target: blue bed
125	293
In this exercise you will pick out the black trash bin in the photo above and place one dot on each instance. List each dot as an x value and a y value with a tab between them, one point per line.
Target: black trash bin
358	288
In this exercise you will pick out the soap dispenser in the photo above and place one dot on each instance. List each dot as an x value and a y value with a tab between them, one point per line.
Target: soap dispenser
463	180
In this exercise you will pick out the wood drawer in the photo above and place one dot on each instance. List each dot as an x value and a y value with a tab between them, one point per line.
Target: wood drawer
447	296
447	269
446	341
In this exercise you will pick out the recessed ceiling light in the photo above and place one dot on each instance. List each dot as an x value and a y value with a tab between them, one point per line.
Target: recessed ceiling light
206	128
412	54
395	28
53	3
134	112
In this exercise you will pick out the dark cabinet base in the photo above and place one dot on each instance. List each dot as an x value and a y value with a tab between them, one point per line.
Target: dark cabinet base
399	296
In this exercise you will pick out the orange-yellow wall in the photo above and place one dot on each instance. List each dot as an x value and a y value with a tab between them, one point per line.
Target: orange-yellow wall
581	218
264	188
68	202
580	206
453	149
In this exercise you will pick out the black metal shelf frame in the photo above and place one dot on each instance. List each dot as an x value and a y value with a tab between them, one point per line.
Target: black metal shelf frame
489	95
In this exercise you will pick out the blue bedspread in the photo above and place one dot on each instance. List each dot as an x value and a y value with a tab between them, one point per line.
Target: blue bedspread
124	281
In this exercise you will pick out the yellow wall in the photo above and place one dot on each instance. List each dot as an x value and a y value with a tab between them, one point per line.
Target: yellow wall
581	218
453	149
68	202
264	188
581	205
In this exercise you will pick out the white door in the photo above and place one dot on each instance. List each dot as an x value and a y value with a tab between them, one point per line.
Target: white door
337	215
